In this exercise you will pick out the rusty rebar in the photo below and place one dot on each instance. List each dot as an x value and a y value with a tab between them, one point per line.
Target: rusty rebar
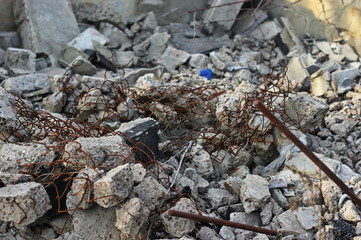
282	127
221	222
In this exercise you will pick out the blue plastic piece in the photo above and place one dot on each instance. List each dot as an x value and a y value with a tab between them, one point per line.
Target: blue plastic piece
206	73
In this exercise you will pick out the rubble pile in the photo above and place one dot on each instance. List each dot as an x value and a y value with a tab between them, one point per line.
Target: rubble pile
107	123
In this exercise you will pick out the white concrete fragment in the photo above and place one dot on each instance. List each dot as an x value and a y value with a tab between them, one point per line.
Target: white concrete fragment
349	53
304	165
104	151
114	187
223	162
150	192
331	194
349	212
20	61
148	80
85	39
199	60
139	172
23	203
175	226
201	160
173	58
81	191
320	82
254	192
131	217
296	73
24	157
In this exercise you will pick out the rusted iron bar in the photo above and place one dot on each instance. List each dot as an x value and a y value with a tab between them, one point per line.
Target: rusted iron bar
221	222
282	127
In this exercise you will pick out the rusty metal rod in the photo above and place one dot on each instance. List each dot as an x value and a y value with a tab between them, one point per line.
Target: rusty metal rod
221	222
282	127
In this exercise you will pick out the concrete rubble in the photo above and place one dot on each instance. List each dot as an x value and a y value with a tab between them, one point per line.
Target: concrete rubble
114	113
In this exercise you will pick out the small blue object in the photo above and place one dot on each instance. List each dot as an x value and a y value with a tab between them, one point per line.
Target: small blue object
206	73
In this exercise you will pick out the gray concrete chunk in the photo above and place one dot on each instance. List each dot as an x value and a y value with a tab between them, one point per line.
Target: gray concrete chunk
150	192
114	187
85	40
175	226
173	58
25	157
95	223
20	61
29	197
254	193
224	14
109	151
45	26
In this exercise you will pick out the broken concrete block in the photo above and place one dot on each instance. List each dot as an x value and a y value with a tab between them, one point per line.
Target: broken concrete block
349	212
219	197
142	134
222	13
296	73
173	58
45	27
206	233
343	80
114	187
223	162
23	203
131	217
254	193
158	43
331	194
302	106
218	63
288	221
139	173
132	76
27	83
9	39
309	217
69	54
55	102
150	192
20	61
175	226
8	115
85	40
246	25
147	81
82	66
299	161
108	151
201	161
320	82
201	183
125	58
25	157
249	58
117	38
95	223
199	60
349	53
290	37
267	30
81	191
